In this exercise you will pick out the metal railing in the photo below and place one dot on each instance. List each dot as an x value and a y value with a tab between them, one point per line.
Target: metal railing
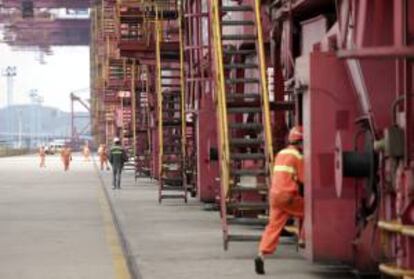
220	97
158	36
182	85
263	87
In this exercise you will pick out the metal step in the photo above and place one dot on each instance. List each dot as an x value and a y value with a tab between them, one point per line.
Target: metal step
246	126
170	56
243	103
172	161
172	153
164	14
247	221
172	188
170	68
170	85
247	156
173	182
259	188
170	104
243	237
282	105
242	80
255	172
244	110
175	122
243	96
240	8
170	77
245	141
172	92
237	22
239	51
174	147
238	37
241	66
248	206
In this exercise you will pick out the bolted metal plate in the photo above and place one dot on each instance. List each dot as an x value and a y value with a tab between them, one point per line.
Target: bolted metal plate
339	177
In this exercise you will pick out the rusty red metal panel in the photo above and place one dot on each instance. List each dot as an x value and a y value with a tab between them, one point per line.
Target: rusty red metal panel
70	4
330	94
208	169
48	32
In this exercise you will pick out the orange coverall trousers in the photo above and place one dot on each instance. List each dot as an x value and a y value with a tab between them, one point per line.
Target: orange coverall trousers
66	162
42	160
282	206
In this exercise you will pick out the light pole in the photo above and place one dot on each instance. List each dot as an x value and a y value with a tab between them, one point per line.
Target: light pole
36	101
10	72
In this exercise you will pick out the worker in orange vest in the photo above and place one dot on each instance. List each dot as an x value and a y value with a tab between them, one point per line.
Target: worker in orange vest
86	151
284	198
66	156
103	156
42	155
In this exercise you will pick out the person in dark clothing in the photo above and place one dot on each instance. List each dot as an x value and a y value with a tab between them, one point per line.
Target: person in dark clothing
117	158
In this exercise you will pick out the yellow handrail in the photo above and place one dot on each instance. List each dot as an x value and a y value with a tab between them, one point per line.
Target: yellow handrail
134	71
221	99
159	93
396	271
263	87
182	85
147	90
122	120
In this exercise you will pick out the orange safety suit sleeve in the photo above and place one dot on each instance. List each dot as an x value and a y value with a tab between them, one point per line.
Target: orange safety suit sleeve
300	170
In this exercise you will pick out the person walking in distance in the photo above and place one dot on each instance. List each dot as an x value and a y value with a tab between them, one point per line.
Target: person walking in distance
66	156
42	155
86	152
103	156
117	158
284	196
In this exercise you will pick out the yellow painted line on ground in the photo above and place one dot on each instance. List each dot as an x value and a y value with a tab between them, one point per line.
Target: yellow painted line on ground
118	258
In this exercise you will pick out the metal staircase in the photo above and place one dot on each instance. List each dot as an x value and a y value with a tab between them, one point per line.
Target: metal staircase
170	95
243	113
142	124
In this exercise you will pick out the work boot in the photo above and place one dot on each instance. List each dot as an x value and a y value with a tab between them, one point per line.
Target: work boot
259	265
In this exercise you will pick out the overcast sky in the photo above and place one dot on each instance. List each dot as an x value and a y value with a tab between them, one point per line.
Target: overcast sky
66	70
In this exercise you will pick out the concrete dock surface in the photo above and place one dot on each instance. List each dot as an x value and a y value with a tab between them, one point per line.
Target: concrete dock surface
56	224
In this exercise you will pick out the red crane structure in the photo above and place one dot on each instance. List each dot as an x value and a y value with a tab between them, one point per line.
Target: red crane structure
32	24
203	92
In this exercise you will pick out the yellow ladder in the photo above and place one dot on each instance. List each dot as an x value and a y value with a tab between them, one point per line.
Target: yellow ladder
171	106
244	125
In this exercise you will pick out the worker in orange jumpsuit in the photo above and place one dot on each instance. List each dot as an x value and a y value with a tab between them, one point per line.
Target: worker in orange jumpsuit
42	155
66	156
103	156
86	151
284	198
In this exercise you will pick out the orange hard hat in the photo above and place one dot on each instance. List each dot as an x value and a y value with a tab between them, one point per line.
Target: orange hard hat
295	134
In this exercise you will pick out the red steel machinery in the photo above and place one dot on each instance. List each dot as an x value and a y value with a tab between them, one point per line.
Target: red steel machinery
349	66
29	24
214	86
